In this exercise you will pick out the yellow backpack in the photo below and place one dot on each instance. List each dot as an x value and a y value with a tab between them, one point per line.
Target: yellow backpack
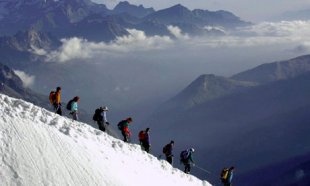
224	174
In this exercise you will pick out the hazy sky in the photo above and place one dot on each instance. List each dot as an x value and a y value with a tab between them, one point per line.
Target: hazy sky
252	10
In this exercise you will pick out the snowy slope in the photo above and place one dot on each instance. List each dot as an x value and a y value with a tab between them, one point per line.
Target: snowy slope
38	147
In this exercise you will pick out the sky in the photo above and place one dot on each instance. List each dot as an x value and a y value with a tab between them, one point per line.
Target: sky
250	10
38	147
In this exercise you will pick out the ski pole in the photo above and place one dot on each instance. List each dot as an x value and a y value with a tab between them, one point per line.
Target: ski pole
203	169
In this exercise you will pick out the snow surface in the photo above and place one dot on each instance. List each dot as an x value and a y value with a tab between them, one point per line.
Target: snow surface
38	147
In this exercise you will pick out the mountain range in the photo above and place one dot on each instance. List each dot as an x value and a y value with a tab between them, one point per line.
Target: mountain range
28	29
262	116
251	119
83	18
280	70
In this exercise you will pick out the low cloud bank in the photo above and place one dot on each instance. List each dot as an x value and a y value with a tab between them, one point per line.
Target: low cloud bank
77	48
292	34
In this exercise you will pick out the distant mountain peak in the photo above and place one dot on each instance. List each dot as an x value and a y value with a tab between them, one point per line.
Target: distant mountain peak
123	3
207	87
179	7
134	10
127	4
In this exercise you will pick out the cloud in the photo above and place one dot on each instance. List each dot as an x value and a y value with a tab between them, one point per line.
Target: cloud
215	28
38	51
121	89
177	32
280	29
262	34
109	3
295	35
137	40
301	48
73	48
77	48
28	80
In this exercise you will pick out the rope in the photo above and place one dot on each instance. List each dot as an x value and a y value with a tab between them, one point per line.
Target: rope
203	169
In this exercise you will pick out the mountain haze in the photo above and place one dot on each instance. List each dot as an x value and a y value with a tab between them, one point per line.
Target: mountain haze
207	87
272	117
276	71
294	171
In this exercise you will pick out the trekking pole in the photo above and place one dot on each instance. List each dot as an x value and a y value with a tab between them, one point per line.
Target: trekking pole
203	169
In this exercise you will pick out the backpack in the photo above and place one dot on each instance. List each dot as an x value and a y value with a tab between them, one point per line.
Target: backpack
120	125
96	116
184	155
165	149
224	174
141	135
52	97
69	104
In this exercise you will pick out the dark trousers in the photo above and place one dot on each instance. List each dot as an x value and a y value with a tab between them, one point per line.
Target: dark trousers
141	144
169	159
226	182
75	115
146	146
101	125
57	108
187	166
125	135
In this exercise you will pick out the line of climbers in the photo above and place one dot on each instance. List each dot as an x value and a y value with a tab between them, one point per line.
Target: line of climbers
100	116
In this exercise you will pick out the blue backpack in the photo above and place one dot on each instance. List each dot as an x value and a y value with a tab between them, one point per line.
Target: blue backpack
69	104
184	155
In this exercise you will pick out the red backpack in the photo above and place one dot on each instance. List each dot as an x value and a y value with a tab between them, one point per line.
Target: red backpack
52	97
141	135
165	149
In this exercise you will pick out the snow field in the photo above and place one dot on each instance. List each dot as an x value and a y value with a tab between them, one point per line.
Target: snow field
38	147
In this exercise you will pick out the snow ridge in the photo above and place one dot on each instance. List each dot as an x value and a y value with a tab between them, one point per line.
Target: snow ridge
41	148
